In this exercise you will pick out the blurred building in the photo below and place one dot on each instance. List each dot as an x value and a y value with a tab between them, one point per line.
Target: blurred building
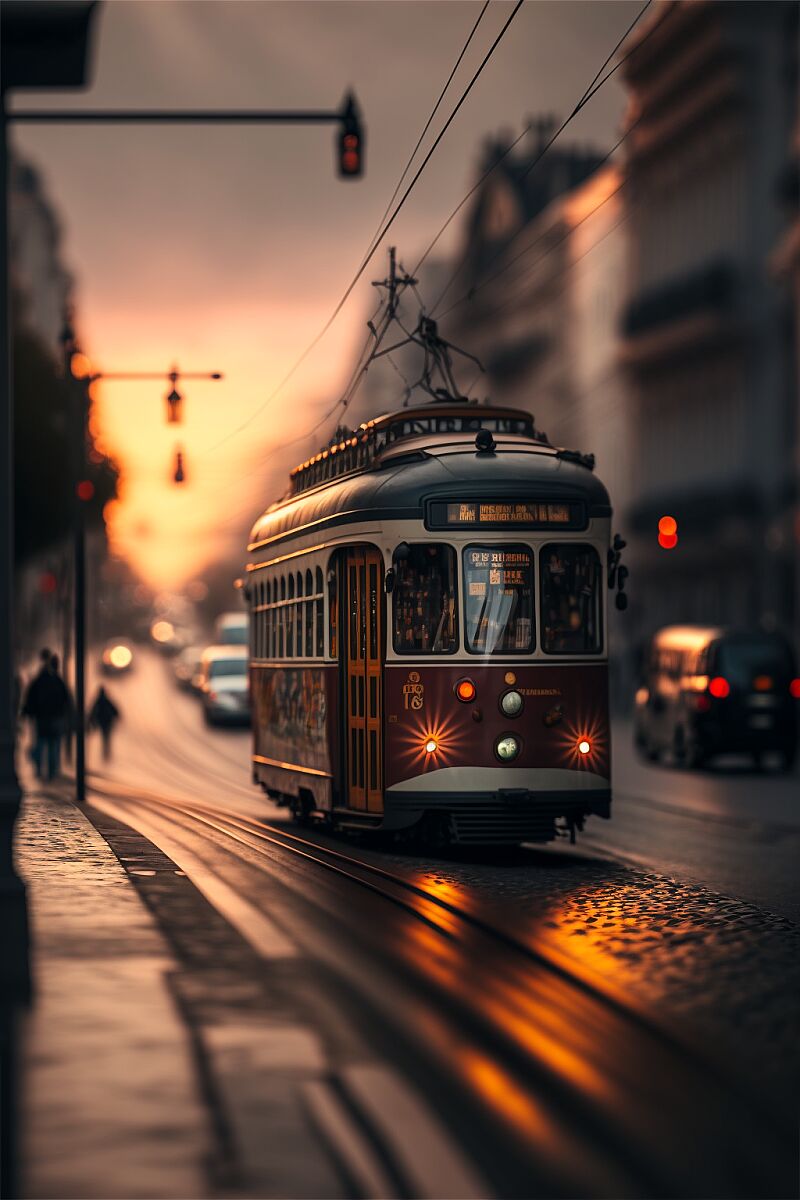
707	342
39	279
520	301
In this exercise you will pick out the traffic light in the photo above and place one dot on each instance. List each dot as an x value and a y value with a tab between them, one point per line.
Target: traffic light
351	142
667	533
174	403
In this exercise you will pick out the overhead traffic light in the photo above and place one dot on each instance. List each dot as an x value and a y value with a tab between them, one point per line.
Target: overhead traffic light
351	141
667	533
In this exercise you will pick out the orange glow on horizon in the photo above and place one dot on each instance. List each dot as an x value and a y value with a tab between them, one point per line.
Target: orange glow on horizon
170	533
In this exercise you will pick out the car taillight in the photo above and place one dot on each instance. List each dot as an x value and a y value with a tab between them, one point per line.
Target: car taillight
719	688
794	688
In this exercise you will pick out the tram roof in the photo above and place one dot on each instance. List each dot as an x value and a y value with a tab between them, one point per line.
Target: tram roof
405	473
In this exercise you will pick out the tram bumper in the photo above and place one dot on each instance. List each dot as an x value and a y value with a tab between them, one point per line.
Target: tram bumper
487	805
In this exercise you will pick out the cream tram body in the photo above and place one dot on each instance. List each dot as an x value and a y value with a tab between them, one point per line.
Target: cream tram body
428	632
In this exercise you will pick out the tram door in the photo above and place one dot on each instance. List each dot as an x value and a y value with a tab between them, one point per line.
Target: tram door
364	579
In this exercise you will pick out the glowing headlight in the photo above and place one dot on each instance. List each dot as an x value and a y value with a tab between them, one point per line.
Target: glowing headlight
431	746
507	747
511	704
583	746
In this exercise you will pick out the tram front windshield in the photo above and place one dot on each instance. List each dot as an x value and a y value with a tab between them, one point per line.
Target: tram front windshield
498	599
570	599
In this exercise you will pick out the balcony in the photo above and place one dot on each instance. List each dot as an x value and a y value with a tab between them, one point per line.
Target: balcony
683	315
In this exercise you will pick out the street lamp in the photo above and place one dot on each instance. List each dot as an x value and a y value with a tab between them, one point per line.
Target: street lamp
84	491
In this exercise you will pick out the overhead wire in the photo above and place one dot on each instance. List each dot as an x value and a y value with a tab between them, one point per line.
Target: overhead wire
377	234
509	263
589	92
370	254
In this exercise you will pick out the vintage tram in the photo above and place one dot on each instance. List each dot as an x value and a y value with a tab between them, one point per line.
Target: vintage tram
428	631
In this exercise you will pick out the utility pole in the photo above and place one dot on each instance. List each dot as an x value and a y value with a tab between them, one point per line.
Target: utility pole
78	404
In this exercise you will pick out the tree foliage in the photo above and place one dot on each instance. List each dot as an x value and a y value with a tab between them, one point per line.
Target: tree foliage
46	410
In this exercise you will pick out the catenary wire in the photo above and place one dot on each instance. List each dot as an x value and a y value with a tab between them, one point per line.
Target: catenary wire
589	92
368	257
377	234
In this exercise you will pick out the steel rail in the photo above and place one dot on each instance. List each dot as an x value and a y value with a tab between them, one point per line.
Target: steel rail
559	964
719	1077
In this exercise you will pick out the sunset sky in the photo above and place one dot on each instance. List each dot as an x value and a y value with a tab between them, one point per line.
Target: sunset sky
227	248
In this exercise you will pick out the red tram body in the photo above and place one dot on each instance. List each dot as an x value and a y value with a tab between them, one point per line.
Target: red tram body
428	631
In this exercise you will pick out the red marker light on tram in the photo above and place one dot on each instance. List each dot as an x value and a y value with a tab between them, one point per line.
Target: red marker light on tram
465	690
719	688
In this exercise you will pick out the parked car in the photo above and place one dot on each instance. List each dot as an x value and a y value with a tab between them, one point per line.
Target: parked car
709	691
224	686
116	657
187	668
231	629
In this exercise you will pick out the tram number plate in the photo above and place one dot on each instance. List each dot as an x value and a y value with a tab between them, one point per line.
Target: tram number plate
477	514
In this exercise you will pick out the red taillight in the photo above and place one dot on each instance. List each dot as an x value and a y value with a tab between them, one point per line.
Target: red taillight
794	688
719	688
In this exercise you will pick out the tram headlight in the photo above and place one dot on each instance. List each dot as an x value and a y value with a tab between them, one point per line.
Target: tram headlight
507	747
511	703
431	746
584	746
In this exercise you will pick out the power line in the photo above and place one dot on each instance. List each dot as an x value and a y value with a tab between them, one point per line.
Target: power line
464	48
473	291
367	259
593	87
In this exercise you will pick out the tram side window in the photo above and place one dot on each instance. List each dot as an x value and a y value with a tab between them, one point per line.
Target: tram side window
333	613
320	608
498	599
424	601
571	591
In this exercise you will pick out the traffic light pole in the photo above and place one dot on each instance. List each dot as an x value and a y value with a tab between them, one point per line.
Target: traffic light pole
78	402
350	147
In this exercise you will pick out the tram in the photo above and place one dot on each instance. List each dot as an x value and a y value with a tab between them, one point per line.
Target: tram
428	631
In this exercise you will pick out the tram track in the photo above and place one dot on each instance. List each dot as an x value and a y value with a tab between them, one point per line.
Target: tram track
560	1032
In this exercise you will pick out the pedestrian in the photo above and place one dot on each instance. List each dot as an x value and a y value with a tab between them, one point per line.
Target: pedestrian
102	715
47	704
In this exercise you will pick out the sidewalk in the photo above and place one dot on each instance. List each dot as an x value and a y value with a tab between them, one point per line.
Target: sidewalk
110	1103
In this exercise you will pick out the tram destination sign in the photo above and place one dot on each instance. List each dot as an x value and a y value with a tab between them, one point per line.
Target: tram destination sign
500	514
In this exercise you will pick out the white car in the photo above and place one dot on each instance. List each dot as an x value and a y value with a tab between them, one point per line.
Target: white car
224	685
231	629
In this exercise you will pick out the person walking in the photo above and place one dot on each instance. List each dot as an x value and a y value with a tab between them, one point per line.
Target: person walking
47	704
103	715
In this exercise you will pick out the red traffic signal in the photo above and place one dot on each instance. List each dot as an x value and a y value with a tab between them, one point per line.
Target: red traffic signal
351	142
667	533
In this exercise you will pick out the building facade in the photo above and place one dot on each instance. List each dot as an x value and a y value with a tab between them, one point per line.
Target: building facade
706	343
